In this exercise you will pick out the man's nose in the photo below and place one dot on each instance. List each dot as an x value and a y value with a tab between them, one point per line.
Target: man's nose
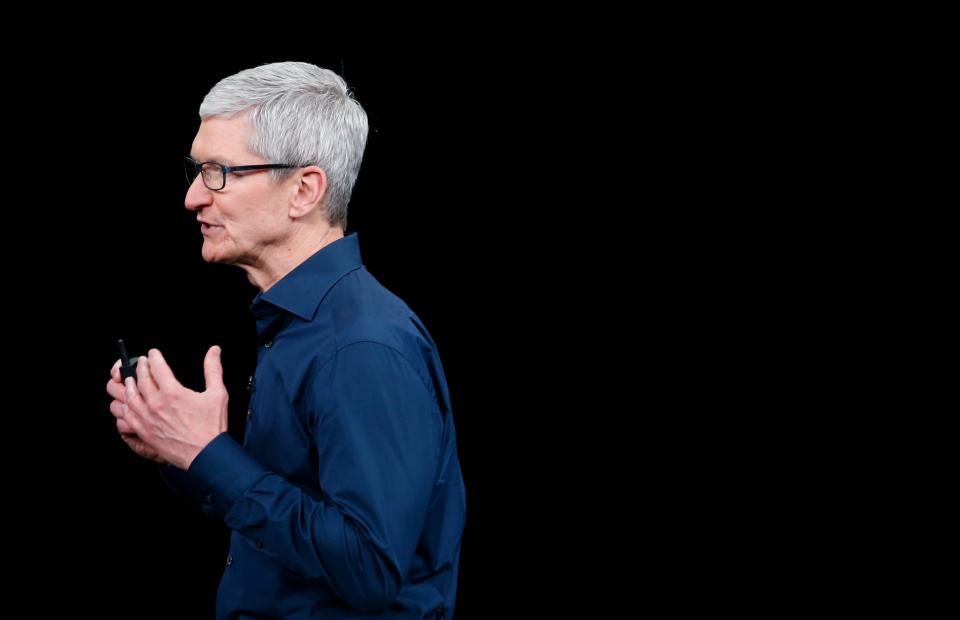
197	195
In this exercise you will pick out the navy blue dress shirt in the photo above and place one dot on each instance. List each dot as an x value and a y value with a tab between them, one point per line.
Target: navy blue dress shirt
346	498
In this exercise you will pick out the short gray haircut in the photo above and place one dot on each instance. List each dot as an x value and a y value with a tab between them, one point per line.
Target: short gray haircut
303	115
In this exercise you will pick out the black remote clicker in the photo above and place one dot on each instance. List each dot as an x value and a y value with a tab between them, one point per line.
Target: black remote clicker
127	368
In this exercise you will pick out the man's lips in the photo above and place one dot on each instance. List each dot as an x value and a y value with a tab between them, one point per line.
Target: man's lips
206	227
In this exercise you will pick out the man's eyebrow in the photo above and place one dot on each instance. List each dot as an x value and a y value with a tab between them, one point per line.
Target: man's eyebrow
224	161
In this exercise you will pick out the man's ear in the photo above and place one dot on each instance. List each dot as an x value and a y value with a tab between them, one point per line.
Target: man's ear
308	192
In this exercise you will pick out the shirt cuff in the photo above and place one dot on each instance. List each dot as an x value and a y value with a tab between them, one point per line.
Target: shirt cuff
226	471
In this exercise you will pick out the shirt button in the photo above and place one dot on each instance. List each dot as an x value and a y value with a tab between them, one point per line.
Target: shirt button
249	413
259	544
251	384
229	560
268	343
208	498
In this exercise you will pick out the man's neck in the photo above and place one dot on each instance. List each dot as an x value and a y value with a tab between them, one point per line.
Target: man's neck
288	257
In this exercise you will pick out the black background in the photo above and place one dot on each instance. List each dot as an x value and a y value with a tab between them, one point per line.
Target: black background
536	194
462	208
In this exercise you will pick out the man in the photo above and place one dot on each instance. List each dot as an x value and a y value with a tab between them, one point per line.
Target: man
346	497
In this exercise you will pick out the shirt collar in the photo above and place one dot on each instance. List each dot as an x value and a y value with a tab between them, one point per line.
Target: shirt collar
301	291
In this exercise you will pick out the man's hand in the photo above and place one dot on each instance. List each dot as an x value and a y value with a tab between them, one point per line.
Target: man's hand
118	407
169	422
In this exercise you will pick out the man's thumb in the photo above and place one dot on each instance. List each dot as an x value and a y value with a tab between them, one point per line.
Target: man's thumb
212	368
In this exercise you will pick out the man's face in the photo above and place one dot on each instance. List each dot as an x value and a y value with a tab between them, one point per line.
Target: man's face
245	220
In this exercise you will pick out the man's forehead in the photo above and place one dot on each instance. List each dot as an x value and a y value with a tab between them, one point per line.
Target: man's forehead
221	140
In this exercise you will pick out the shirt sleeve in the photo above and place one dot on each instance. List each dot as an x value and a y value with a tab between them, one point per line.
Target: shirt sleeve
377	431
189	487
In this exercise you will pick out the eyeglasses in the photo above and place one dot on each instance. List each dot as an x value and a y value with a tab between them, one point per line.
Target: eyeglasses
215	175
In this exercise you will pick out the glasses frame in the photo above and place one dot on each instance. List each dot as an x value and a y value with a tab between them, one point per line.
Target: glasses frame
197	167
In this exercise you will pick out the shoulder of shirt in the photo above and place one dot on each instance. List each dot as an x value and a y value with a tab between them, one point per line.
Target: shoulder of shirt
364	311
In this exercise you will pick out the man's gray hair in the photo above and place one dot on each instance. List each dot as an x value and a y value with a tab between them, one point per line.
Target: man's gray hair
302	115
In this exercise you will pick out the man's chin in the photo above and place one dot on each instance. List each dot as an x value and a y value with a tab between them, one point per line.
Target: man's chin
218	257
211	255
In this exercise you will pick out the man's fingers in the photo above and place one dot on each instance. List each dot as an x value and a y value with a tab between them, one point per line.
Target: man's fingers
131	411
145	383
116	390
132	394
160	370
213	368
140	447
118	409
